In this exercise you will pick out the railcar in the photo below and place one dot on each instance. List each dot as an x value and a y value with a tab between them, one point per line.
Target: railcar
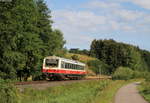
61	68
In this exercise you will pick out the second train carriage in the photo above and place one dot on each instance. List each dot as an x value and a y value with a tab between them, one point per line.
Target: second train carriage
61	68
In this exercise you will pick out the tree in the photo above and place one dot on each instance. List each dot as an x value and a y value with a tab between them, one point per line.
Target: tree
26	37
116	54
99	67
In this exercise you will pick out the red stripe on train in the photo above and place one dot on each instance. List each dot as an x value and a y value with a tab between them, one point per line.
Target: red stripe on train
63	71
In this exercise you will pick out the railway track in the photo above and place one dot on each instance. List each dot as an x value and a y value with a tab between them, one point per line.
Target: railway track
46	81
46	84
30	82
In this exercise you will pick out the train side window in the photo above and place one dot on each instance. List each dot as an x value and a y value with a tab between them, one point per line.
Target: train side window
77	67
66	65
82	67
70	66
62	64
73	66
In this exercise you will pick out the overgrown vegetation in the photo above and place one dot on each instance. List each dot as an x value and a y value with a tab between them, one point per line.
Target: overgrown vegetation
82	58
8	93
125	73
145	88
83	92
98	67
78	51
108	94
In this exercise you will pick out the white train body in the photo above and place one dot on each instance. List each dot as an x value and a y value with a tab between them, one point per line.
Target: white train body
61	67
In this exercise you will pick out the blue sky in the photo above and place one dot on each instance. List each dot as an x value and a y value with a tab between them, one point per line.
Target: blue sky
81	21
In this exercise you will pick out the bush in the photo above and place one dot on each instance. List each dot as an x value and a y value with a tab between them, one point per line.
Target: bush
8	93
98	67
123	73
145	90
147	76
75	57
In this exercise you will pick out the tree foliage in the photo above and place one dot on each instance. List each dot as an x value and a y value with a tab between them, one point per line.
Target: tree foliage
117	54
26	37
99	67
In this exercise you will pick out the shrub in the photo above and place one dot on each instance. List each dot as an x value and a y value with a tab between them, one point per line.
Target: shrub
98	67
145	90
147	76
75	57
123	73
8	93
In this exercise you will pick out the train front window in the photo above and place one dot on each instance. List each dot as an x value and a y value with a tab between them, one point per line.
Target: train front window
51	62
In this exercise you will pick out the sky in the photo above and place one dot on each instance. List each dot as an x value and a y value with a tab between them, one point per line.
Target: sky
82	21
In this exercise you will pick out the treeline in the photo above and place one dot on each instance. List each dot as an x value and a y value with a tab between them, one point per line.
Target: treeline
116	54
26	36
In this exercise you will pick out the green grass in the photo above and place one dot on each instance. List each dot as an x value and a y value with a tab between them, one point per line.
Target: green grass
108	94
144	89
74	93
85	92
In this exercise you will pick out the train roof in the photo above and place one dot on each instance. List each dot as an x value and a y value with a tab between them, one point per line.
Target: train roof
65	60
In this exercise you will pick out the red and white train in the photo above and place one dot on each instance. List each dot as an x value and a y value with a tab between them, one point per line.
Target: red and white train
61	68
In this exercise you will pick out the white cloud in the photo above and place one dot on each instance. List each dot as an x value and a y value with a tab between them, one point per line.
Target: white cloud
78	20
78	26
88	21
128	15
102	4
143	3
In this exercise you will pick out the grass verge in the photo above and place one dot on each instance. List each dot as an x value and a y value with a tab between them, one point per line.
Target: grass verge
108	94
75	93
144	89
85	92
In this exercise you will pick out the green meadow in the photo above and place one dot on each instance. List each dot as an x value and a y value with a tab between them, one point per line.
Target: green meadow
85	92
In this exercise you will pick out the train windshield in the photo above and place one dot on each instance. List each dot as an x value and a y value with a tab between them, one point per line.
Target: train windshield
51	62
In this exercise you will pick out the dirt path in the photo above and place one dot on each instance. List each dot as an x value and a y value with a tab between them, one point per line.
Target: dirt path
129	94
